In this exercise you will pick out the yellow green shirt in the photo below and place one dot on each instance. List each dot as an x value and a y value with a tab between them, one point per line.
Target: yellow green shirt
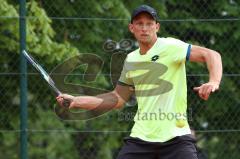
159	79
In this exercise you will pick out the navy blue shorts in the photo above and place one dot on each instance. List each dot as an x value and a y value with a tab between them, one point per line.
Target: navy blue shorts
181	147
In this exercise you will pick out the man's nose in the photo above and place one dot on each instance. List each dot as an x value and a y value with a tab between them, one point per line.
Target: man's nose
144	28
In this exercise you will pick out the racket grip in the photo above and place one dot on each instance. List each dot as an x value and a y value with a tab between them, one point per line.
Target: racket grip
66	103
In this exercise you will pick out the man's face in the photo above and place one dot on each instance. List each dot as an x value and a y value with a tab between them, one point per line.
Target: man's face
144	28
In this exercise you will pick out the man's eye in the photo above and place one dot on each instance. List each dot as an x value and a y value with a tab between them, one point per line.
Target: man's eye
149	24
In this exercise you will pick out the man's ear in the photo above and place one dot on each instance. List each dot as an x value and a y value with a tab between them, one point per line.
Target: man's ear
130	27
158	26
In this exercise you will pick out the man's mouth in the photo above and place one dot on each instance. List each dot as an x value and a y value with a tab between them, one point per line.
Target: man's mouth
144	35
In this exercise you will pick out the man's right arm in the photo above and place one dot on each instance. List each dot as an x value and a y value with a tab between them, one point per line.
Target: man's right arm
111	100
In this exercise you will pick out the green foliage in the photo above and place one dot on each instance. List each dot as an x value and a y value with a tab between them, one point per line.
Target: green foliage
40	36
8	27
50	144
40	42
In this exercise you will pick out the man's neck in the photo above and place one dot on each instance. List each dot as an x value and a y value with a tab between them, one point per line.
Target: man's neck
144	47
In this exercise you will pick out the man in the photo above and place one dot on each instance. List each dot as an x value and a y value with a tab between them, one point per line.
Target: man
156	74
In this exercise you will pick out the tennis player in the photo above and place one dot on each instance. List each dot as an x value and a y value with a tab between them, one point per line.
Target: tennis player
156	74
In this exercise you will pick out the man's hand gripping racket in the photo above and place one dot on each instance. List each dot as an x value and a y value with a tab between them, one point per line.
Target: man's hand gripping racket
48	79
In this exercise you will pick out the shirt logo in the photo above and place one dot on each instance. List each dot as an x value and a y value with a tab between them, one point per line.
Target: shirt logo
155	58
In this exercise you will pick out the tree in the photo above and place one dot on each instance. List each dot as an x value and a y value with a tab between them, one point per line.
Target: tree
40	39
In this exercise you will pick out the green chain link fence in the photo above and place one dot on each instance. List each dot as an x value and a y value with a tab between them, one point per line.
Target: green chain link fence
67	29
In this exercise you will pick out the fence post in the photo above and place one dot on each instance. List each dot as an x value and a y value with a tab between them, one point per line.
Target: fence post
23	82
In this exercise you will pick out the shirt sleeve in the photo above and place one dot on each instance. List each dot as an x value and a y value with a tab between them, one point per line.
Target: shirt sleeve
180	50
124	79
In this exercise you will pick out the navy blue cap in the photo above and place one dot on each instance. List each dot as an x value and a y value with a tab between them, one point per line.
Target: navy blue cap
144	8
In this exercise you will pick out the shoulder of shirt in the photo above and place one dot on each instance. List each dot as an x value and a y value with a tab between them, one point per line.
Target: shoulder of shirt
170	41
132	54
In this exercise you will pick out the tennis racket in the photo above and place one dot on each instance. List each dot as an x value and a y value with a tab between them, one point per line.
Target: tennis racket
45	75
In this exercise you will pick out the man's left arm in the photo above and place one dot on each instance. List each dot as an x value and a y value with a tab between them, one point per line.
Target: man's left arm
214	65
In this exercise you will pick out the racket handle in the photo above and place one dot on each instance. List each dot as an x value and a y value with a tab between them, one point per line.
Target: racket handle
66	103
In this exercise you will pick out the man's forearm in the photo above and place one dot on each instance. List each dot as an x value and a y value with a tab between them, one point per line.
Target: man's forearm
102	101
214	64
